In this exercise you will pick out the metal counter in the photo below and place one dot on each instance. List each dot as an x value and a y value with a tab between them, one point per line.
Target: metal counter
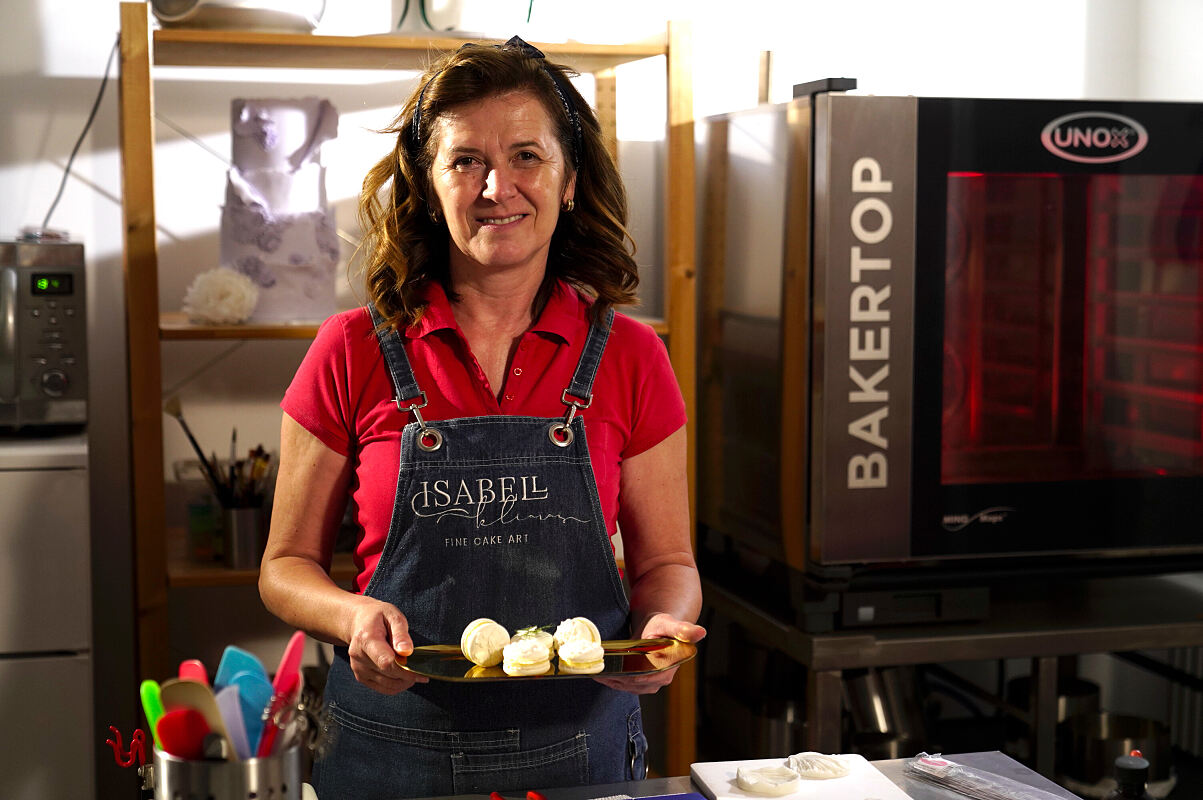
993	761
1038	620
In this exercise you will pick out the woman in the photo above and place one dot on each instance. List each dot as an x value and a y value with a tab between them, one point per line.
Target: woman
494	423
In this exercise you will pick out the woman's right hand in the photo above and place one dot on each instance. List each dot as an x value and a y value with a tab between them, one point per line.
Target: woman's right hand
379	633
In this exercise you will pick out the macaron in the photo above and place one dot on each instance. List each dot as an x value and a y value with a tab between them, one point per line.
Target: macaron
526	657
538	634
577	629
482	642
581	658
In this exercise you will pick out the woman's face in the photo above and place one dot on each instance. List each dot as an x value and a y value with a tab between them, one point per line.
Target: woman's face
500	178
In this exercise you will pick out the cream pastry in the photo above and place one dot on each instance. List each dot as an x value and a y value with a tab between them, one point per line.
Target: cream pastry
482	642
577	629
526	657
579	657
539	635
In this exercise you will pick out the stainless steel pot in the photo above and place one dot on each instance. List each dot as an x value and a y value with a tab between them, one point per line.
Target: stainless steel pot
1096	740
886	719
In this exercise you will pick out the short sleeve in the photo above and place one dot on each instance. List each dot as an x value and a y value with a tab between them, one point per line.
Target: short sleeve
658	405
319	396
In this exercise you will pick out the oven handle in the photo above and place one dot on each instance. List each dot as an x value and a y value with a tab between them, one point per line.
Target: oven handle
8	334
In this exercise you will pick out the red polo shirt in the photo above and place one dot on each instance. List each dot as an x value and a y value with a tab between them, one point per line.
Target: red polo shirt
342	395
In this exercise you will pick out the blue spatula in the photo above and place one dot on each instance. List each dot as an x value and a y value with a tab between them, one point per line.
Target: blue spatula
233	661
254	695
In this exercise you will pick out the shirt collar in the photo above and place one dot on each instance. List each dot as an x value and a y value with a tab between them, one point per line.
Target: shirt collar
565	311
562	317
437	313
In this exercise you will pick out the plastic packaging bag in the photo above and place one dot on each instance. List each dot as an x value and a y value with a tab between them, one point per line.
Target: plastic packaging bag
971	782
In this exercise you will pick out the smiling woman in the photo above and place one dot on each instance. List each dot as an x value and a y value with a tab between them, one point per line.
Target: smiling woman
453	410
500	180
401	212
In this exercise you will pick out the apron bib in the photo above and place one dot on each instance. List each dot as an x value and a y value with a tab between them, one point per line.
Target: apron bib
494	516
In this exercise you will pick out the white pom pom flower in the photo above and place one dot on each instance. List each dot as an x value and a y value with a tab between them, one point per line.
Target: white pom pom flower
221	296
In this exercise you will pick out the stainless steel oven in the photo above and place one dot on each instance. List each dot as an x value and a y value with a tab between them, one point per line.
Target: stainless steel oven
981	340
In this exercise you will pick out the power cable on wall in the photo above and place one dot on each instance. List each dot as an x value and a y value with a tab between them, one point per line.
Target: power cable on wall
174	389
87	126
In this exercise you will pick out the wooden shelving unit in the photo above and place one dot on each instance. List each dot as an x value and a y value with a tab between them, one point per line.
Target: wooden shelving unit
142	50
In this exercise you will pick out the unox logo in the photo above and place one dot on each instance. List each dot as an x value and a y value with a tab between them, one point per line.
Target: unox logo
1094	137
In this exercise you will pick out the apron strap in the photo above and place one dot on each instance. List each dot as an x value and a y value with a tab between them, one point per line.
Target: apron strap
581	387
409	398
406	385
399	368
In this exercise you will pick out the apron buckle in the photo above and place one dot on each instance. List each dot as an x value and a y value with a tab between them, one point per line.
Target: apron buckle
560	433
429	439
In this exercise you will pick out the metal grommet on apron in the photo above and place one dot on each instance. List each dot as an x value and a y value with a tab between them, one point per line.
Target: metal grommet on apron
494	516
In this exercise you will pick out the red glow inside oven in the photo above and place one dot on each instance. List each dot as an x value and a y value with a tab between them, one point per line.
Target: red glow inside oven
1073	334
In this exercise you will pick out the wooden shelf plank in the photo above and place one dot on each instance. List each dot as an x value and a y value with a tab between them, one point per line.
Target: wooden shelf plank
175	325
187	47
184	573
660	326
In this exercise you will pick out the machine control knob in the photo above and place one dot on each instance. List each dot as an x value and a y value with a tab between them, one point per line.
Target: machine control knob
54	382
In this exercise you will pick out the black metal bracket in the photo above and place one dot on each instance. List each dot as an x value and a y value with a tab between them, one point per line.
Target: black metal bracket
811	88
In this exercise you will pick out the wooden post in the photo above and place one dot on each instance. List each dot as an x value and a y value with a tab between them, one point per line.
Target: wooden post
606	90
142	335
795	338
766	76
681	307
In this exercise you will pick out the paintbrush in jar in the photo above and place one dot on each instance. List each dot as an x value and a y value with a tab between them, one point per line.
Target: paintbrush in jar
173	408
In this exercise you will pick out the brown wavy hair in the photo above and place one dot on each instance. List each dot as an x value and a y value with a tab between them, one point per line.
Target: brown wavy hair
403	246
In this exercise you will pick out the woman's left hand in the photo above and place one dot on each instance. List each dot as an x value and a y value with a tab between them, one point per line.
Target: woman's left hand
659	625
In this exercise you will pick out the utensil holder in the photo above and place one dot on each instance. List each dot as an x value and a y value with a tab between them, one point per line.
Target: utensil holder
277	777
242	532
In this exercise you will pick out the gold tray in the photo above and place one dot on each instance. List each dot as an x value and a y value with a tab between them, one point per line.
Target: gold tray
445	662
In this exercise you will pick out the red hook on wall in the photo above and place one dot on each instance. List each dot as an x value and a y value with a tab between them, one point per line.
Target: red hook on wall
137	748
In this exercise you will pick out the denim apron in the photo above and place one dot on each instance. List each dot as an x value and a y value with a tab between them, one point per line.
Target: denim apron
494	516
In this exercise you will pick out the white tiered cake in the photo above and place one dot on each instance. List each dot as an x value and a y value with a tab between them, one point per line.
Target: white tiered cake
276	227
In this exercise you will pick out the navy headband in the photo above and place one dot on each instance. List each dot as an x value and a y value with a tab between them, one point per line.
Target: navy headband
557	80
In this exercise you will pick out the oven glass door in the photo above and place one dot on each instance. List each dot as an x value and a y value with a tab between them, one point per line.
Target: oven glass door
1073	327
1069	414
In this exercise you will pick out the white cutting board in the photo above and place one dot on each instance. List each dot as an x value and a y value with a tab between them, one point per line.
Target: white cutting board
716	779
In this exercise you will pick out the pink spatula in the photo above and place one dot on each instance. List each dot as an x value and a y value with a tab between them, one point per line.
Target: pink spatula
194	670
285	686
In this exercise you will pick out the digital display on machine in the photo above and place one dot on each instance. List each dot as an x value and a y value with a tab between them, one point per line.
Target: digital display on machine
51	283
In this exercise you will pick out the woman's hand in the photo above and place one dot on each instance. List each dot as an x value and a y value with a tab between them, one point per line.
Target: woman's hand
654	519
379	633
659	625
294	579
